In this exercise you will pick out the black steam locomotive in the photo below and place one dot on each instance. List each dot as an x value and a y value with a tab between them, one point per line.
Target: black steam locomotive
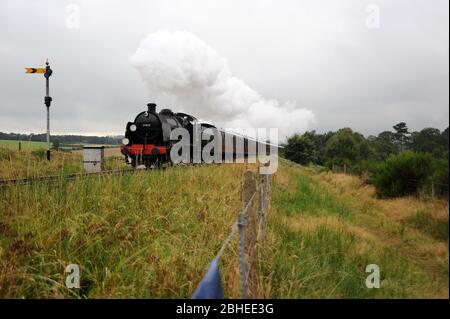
147	142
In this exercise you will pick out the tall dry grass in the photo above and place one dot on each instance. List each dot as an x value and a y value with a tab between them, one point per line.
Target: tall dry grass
324	229
33	163
138	235
153	235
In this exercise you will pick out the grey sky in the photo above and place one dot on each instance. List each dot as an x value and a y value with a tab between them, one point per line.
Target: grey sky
318	53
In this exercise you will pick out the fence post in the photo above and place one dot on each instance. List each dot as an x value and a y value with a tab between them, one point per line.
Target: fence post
432	190
262	199
248	189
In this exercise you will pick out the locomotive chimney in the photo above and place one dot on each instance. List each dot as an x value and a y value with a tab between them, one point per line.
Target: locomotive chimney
151	107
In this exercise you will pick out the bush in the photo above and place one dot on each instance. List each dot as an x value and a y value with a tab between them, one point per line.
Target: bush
440	177
299	149
364	167
402	174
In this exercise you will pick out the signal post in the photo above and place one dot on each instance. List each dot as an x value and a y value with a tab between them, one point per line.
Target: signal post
47	100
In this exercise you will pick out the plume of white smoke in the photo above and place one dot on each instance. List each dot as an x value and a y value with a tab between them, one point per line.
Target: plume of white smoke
180	68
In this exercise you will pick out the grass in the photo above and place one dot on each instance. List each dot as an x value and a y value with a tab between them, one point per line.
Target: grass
148	235
426	223
25	145
324	229
152	235
33	163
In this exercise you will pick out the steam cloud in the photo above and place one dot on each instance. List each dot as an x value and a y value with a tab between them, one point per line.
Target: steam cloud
180	69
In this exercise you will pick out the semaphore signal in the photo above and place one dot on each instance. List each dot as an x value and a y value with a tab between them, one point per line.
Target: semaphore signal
47	100
35	70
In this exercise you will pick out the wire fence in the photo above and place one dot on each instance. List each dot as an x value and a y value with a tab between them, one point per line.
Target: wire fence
250	226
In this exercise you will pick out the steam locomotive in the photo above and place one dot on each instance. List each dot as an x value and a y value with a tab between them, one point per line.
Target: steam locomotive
147	142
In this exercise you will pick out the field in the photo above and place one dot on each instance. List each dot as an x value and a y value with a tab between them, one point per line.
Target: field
25	145
109	151
152	235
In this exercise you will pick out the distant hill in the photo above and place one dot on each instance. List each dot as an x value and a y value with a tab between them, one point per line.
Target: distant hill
66	139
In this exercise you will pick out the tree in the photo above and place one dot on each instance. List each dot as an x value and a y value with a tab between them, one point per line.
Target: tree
429	140
319	141
445	135
299	149
347	147
384	144
401	134
445	141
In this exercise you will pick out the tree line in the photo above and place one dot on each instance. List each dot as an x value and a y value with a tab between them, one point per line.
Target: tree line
63	139
426	151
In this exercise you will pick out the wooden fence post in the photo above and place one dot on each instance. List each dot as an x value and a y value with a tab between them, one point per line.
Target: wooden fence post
246	235
262	204
432	190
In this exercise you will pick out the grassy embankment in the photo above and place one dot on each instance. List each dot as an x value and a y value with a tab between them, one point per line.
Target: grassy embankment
325	228
153	235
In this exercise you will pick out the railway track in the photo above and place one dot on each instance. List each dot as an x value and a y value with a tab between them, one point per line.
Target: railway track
54	178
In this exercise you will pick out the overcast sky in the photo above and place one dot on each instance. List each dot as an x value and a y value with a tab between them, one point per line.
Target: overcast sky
333	58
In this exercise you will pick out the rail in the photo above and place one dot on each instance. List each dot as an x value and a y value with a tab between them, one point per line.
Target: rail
53	178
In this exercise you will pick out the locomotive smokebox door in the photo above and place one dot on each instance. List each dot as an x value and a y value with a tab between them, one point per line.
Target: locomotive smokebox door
93	157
